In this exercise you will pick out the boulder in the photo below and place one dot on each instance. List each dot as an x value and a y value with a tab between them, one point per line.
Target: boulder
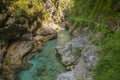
71	51
67	57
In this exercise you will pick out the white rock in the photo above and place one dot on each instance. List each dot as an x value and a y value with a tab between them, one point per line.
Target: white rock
66	76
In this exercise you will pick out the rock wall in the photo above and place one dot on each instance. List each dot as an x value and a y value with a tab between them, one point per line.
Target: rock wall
24	28
79	56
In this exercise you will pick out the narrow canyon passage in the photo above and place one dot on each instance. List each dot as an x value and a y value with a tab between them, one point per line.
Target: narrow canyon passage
59	39
45	65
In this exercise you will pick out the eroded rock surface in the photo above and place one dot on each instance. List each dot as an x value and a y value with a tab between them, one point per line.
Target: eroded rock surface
80	53
23	29
16	52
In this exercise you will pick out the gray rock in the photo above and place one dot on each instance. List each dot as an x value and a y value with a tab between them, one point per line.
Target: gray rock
66	76
66	55
90	65
70	51
88	78
84	63
80	41
87	60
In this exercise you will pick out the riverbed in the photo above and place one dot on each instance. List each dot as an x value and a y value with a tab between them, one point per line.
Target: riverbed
45	64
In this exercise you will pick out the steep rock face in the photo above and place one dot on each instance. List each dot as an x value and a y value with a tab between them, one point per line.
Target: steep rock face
16	52
12	27
25	26
42	36
14	57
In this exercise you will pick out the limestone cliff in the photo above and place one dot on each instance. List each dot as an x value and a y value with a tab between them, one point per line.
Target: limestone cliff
25	25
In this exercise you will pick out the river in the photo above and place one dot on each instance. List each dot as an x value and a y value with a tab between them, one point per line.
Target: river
46	63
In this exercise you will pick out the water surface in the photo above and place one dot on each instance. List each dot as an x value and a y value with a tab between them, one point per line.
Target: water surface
45	64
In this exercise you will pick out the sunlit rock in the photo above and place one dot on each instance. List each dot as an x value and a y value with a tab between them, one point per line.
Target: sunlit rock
80	53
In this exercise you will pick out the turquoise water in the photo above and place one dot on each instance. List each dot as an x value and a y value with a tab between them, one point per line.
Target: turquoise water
45	64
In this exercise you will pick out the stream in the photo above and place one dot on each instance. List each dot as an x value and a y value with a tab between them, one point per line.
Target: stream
46	63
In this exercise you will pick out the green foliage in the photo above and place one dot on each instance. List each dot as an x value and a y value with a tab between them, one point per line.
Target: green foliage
99	15
92	11
108	67
22	5
101	28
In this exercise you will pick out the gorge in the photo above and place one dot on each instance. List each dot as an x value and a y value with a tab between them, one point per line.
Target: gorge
59	39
